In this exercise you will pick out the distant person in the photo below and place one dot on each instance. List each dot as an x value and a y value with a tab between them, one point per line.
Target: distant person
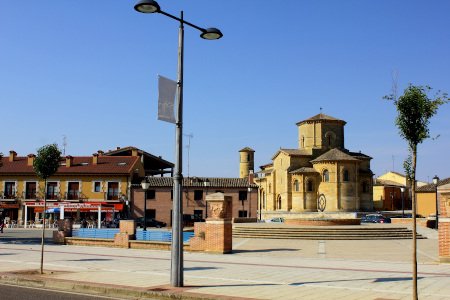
2	223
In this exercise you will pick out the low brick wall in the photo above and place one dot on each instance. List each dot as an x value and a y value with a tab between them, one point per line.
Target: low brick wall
89	242
423	222
131	244
324	222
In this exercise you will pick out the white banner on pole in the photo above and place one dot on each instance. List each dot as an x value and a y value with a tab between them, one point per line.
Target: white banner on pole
167	89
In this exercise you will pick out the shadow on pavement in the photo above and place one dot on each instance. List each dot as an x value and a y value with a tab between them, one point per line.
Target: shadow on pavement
382	279
200	268
265	250
91	259
25	240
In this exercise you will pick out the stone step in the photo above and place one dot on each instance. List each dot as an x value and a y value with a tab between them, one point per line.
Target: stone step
323	233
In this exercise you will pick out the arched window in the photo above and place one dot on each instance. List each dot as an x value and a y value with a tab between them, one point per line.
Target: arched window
346	175
303	142
326	176
296	186
309	186
279	202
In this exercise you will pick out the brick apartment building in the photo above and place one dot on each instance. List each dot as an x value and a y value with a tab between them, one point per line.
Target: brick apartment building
160	196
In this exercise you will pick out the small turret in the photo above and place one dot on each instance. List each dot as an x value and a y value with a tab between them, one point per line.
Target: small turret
246	162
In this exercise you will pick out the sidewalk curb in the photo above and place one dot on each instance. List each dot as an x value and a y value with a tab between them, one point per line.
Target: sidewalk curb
37	281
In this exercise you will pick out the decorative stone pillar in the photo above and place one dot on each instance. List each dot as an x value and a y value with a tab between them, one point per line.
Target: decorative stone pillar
216	234
127	232
444	222
219	229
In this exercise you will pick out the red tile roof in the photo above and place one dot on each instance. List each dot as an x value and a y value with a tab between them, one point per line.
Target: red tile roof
80	165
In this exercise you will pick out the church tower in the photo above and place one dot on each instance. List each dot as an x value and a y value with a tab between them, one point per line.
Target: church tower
246	162
321	133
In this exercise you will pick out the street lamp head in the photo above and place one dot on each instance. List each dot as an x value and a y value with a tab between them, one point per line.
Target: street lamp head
211	34
435	180
145	185
147	6
402	189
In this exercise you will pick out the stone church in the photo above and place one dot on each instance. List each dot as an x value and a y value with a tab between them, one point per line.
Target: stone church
321	175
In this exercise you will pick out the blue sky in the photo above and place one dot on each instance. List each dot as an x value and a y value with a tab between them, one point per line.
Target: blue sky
88	70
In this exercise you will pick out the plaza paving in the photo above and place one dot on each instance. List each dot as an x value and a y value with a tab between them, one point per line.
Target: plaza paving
258	269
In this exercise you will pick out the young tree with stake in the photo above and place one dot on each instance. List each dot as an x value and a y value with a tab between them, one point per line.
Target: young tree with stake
415	109
45	165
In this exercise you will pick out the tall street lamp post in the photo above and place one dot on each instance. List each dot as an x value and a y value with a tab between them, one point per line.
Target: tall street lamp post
206	184
436	181
402	189
176	268
145	185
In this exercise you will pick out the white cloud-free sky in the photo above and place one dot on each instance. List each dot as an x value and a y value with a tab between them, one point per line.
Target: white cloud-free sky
88	70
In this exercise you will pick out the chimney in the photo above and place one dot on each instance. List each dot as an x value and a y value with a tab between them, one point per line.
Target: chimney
117	148
251	177
30	159
69	161
95	158
12	155
100	153
134	152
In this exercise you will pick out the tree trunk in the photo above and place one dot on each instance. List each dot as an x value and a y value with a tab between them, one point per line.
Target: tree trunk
414	206
43	226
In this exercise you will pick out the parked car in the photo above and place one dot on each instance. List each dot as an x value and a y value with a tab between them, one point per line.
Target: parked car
375	218
275	220
150	223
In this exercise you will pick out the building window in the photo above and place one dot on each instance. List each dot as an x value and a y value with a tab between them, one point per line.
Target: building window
309	186
150	214
279	202
242	214
346	176
30	190
97	186
151	194
296	186
113	191
326	176
73	190
303	142
365	187
242	195
10	190
52	190
198	215
198	195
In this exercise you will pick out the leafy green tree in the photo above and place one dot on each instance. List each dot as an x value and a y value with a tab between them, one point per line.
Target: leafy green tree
414	111
45	165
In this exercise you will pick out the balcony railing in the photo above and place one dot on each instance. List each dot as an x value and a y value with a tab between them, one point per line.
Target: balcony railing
29	195
8	196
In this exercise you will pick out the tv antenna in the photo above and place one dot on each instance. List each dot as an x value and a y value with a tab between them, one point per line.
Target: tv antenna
188	146
64	144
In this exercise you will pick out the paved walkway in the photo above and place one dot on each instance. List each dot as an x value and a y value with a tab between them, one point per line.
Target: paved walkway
259	269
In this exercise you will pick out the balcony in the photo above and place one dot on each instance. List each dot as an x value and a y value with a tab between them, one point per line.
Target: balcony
10	197
74	196
53	196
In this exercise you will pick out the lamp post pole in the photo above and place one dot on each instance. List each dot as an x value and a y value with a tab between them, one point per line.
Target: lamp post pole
436	181
206	184
176	268
145	185
402	189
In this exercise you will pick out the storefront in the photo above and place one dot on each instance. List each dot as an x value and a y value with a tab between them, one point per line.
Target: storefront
9	210
100	213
